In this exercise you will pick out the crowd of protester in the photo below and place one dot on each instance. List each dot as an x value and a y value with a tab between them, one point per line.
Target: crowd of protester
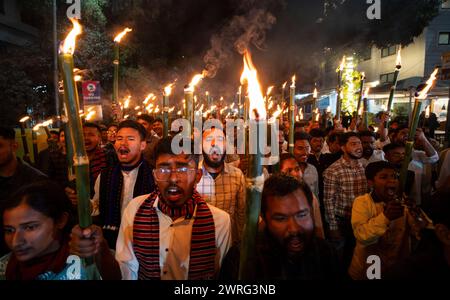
326	207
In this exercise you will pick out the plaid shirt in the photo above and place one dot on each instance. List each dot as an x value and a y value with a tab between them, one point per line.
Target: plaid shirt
226	192
343	182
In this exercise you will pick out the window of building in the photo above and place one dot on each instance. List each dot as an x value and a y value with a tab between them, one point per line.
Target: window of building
2	7
446	4
366	54
444	38
388	51
387	78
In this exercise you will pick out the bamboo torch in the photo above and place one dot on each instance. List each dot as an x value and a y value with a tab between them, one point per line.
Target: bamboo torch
167	92
116	63
339	94
255	178
398	66
361	91
189	99
282	103
413	127
366	109
291	115
80	158
26	150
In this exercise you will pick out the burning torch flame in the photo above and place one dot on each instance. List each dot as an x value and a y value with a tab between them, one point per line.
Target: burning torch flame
284	85
315	93
300	114
137	108
423	93
122	34
24	119
195	80
256	99
398	62
69	43
269	90
149	96
342	65
317	114
293	82
366	93
127	102
168	90
171	109
90	115
427	112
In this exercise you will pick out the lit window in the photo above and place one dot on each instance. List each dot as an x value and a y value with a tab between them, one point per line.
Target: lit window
444	38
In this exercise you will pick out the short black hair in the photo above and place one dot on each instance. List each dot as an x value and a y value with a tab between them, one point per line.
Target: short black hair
280	185
92	125
157	120
112	124
343	139
391	146
374	168
164	146
134	125
333	137
301	136
147	118
7	133
366	133
316	133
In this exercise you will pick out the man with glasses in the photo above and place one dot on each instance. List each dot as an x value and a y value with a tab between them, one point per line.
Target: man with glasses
118	184
171	234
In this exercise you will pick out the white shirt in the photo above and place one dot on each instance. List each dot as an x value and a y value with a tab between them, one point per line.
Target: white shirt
129	180
128	262
445	170
377	155
311	178
417	165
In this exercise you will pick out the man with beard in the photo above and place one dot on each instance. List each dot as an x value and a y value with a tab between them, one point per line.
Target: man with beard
290	167
171	234
380	223
118	184
14	173
222	184
286	247
343	182
302	150
370	154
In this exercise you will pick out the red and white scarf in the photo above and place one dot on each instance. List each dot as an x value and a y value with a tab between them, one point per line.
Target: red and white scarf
203	240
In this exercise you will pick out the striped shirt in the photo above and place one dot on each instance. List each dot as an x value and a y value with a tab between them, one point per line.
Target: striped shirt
226	192
343	182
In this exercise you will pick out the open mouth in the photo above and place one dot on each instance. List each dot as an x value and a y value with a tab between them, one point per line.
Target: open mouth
295	244
174	193
391	191
123	152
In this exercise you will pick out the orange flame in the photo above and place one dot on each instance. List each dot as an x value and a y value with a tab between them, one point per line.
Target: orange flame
293	82
149	96
195	80
24	119
68	46
315	93
423	93
127	102
398	62
250	75
427	112
122	34
168	89
284	85
269	90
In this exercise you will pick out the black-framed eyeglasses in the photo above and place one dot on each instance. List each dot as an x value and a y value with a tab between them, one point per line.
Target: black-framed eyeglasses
163	174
